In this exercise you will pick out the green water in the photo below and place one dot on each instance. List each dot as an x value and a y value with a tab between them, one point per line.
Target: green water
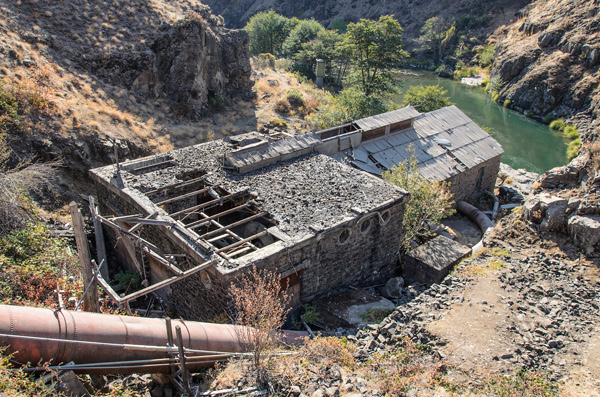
527	143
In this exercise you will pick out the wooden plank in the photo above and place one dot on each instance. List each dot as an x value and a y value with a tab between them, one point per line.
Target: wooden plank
202	206
236	244
166	282
106	286
163	261
241	250
99	235
90	300
201	222
174	186
183	196
238	223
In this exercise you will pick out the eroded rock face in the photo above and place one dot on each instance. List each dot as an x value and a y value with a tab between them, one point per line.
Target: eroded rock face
548	60
198	63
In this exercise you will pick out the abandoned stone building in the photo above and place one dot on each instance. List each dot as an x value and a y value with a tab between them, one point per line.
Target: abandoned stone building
448	145
192	220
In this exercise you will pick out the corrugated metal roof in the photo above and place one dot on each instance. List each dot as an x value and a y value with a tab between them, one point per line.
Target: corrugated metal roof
469	145
388	118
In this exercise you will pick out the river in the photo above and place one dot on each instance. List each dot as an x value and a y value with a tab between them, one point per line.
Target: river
527	143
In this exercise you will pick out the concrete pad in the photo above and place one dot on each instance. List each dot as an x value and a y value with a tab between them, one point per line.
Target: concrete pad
347	309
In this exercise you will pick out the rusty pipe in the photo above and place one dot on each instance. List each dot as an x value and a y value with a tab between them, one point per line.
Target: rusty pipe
62	336
475	215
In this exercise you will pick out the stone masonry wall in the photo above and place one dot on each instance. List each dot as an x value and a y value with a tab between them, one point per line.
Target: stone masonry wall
358	252
463	185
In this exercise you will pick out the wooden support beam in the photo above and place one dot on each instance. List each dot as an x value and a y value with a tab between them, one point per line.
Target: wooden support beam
175	186
181	197
201	222
107	288
241	250
201	207
99	235
148	247
90	301
238	243
163	261
166	282
238	223
139	225
146	221
150	166
121	229
228	232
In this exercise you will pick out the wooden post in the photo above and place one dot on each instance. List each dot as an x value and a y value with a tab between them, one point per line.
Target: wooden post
90	301
99	234
183	367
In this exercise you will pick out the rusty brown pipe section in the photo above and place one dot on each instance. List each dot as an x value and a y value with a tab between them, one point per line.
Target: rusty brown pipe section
38	335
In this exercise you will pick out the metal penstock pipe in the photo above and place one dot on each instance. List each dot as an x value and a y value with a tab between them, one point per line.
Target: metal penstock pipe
38	336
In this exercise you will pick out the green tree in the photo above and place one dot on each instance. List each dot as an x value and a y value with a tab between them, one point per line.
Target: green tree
329	46
376	50
426	98
350	104
433	33
305	31
268	31
429	203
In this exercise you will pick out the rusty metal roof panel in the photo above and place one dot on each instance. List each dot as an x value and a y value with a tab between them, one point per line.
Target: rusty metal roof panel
388	118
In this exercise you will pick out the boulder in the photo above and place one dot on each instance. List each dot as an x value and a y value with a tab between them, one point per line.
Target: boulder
393	288
548	211
566	176
585	232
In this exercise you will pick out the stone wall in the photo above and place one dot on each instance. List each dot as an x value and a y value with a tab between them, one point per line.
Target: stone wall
359	251
465	184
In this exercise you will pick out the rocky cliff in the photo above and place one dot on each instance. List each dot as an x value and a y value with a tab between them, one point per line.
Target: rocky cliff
549	60
411	13
130	76
197	63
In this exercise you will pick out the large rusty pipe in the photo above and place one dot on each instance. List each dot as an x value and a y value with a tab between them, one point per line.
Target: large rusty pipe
475	215
60	336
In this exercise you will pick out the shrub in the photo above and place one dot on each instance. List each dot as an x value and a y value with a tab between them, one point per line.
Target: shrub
571	132
278	123
294	98
429	202
282	106
375	315
16	209
548	118
508	104
558	125
495	96
465	71
261	307
573	148
521	383
32	262
427	98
